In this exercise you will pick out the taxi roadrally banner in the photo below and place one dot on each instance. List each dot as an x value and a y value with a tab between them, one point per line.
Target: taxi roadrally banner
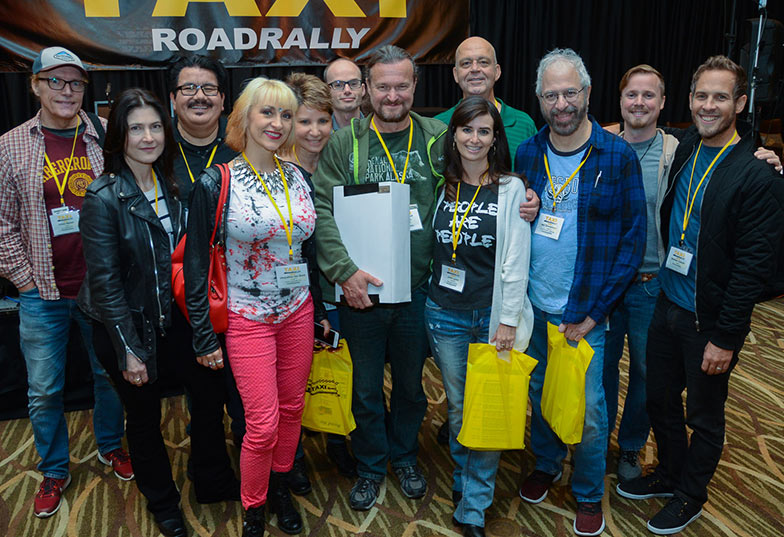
147	33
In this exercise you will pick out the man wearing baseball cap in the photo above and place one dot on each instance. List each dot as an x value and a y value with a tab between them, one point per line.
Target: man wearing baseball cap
46	165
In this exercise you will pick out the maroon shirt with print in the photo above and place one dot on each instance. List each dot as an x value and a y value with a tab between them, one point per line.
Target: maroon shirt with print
67	256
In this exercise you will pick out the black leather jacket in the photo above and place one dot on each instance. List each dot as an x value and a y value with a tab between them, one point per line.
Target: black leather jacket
128	281
201	220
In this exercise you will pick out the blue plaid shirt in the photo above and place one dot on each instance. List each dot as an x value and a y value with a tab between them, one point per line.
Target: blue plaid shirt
610	219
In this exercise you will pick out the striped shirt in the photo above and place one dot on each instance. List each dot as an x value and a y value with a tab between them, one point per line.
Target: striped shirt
25	240
161	208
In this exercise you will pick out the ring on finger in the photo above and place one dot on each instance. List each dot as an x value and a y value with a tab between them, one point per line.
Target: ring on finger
219	361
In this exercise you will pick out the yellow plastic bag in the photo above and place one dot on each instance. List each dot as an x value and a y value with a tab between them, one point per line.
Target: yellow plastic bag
563	393
328	394
496	398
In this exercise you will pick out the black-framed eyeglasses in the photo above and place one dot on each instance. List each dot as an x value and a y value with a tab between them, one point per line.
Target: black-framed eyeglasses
338	85
77	86
189	90
570	95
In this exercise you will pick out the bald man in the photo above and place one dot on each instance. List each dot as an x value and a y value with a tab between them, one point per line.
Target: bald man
476	71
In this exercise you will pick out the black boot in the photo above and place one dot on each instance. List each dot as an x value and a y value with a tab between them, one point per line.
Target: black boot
253	525
298	478
280	504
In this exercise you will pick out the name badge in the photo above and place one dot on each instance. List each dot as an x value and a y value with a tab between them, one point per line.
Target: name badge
414	222
64	220
290	276
452	278
679	260
549	226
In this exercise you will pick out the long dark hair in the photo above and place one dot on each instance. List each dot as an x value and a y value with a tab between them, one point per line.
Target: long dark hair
498	161
117	134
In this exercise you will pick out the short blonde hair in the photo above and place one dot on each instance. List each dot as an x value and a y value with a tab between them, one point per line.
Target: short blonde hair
259	90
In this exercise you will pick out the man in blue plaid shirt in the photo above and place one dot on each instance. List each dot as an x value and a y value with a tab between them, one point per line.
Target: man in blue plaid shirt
587	245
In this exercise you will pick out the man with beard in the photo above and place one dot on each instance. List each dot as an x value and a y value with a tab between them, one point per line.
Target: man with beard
721	231
392	144
642	99
344	79
587	244
197	86
476	71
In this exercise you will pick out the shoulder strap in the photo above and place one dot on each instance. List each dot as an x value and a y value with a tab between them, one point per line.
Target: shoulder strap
96	121
224	193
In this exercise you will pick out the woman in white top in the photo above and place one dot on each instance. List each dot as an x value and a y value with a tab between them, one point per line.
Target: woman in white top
268	225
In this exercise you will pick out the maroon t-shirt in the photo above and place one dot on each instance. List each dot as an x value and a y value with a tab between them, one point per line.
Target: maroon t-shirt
67	256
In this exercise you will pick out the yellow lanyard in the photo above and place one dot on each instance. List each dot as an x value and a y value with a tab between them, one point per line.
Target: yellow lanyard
187	166
155	182
456	236
286	228
552	186
690	205
61	186
294	150
408	151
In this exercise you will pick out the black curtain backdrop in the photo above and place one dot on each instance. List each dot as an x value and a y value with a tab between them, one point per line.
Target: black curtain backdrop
674	36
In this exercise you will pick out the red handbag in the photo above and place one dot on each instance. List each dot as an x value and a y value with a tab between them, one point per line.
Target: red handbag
217	291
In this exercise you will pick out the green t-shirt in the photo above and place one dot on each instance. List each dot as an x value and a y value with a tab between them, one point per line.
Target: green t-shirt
518	125
418	177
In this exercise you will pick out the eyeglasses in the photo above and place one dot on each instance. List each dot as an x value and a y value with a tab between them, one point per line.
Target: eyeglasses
570	95
338	85
77	86
189	90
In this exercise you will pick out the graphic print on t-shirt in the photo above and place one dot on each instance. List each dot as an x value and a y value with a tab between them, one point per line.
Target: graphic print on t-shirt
552	260
67	257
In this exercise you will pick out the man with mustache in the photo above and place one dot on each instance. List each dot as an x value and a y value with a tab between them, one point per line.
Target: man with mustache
46	165
372	150
587	244
476	71
197	91
344	79
197	86
721	233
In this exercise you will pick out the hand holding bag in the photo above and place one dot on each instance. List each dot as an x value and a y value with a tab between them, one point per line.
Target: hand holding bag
495	402
217	291
563	393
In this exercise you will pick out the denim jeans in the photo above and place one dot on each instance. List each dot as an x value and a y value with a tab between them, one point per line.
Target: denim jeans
675	354
369	333
44	326
631	318
591	452
450	332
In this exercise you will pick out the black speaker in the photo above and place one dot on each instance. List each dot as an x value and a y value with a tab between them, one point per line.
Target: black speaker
770	65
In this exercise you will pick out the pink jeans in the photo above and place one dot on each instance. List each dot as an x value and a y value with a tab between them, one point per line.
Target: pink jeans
271	364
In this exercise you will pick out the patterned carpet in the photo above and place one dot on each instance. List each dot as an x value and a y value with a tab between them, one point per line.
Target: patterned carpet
746	495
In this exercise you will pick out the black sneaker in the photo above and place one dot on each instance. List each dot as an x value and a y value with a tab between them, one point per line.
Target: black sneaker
299	483
363	494
412	482
642	488
628	466
342	459
675	516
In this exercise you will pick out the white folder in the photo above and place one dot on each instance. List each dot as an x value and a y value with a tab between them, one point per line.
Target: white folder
373	220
